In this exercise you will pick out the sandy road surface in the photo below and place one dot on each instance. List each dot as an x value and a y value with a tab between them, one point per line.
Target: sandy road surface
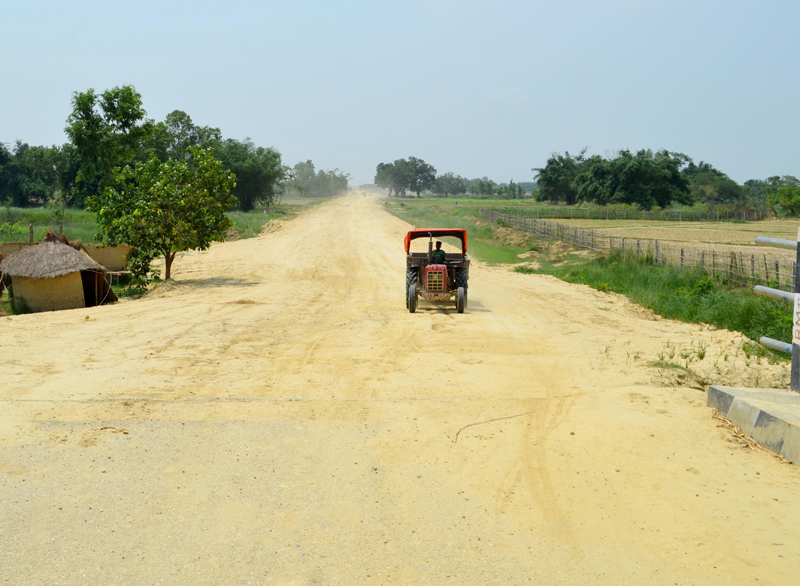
275	416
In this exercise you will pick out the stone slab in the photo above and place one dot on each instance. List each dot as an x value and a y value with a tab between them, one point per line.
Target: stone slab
769	416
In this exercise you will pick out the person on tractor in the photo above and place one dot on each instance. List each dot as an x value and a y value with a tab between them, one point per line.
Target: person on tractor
438	255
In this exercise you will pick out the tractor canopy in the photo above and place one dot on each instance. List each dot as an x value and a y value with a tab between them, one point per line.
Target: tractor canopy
436	233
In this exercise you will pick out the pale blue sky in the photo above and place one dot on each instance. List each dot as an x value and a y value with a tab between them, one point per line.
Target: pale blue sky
477	88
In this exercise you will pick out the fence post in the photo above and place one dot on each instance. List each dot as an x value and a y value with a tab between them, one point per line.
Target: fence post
713	262
623	246
638	248
730	267
753	267
778	273
795	382
703	259
681	257
656	252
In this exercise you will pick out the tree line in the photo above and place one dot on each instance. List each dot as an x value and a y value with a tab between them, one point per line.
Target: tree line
415	175
646	179
657	179
110	130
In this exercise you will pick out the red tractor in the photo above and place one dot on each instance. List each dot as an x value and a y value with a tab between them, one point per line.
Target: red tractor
440	281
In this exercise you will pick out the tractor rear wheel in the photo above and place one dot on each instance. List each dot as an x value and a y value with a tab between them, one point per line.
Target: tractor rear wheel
462	300
411	299
461	277
411	279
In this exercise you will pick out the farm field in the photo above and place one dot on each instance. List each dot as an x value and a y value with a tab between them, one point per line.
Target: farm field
274	415
719	236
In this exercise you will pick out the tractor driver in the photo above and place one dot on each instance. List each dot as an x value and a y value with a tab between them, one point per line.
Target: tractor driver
438	255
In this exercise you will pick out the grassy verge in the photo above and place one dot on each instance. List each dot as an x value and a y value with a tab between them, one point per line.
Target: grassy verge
81	225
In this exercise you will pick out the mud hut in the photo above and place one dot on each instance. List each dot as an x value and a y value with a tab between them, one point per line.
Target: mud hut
52	276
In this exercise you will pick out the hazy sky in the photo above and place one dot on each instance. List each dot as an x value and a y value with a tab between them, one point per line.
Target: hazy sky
477	88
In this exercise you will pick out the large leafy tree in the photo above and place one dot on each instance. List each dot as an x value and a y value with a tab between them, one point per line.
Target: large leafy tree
259	172
785	200
643	178
450	184
422	176
556	180
108	130
162	208
397	176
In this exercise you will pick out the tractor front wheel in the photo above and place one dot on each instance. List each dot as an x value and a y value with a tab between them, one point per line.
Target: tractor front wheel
411	301
462	300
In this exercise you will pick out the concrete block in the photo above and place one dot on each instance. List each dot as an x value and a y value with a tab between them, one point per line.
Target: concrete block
769	416
719	400
791	445
743	415
770	431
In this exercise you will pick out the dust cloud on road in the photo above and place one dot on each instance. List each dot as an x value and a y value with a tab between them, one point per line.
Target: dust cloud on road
274	415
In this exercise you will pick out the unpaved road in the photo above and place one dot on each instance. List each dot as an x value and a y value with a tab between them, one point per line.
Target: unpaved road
275	416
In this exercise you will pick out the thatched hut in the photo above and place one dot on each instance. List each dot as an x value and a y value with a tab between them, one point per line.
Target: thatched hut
52	275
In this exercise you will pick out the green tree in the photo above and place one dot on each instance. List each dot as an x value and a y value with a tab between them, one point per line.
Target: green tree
398	176
309	182
162	208
785	200
450	184
259	172
108	130
422	176
557	179
483	187
644	178
510	191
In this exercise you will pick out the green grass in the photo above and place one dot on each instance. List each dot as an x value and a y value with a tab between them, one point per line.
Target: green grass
442	213
5	304
687	295
78	224
81	225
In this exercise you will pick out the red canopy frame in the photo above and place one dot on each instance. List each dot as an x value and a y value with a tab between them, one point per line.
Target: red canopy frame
436	233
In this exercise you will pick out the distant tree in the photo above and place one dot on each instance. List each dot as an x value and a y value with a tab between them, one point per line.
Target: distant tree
557	179
384	178
645	178
162	208
259	172
309	182
714	187
483	187
785	200
510	190
107	130
422	176
398	176
450	184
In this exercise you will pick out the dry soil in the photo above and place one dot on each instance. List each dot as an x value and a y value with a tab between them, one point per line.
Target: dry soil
274	415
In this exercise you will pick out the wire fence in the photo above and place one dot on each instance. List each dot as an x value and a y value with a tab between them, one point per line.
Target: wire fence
735	268
611	213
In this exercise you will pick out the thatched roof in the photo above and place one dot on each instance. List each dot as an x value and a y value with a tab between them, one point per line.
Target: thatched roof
47	260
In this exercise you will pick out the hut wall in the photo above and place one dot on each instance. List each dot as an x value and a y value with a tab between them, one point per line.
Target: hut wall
49	294
111	257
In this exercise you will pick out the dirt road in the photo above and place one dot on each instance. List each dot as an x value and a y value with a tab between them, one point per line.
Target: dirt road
275	416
